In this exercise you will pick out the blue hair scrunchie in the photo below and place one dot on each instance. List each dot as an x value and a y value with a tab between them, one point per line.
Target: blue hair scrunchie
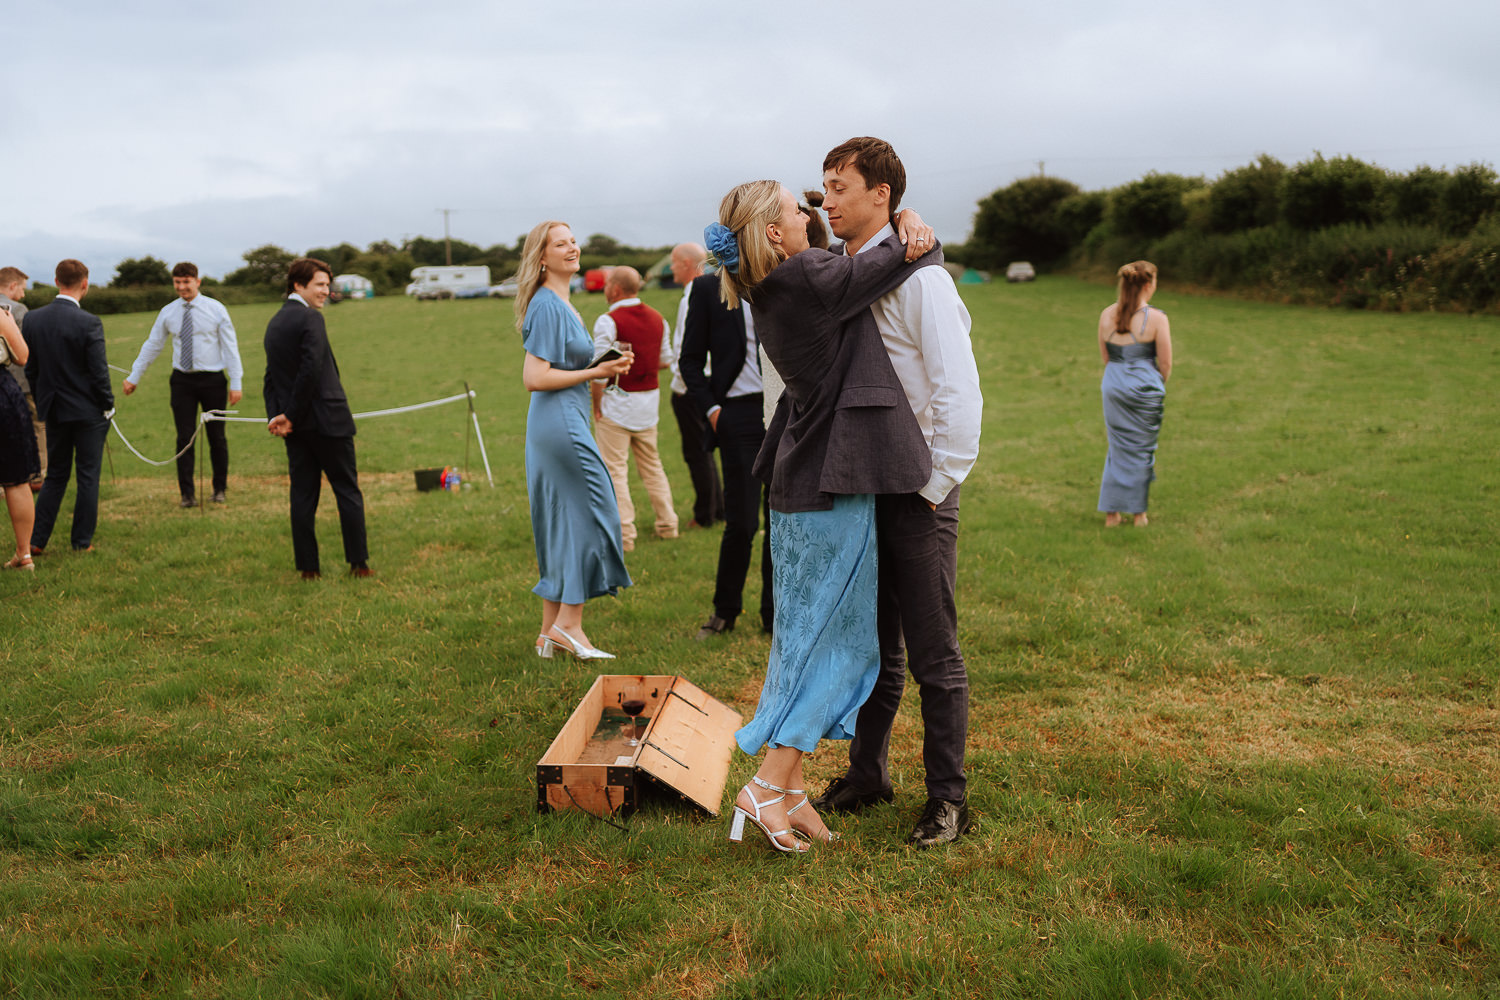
721	242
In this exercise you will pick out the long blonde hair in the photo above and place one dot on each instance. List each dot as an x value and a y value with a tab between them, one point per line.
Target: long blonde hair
1134	277
529	273
748	210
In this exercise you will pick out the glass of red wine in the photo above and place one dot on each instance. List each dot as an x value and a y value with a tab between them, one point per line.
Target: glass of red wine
633	705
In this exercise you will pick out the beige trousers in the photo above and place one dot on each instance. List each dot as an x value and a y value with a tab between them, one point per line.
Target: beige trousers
616	445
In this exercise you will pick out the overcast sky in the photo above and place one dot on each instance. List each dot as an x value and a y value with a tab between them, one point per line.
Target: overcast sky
196	132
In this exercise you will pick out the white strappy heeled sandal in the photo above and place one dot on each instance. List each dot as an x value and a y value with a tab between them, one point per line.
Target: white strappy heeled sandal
831	836
737	825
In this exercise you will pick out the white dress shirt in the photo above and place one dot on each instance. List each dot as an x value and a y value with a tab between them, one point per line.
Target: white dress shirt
925	327
634	411
214	346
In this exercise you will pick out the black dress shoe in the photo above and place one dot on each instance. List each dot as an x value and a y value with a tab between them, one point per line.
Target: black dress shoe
842	797
715	626
942	822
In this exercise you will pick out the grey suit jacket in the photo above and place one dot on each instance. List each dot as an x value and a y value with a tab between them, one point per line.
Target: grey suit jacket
843	425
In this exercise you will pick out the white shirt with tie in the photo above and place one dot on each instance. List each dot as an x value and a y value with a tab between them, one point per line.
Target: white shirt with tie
215	348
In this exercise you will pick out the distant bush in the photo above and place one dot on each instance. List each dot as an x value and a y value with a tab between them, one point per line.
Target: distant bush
1335	231
1150	207
1469	194
1318	193
1021	222
1247	197
1414	196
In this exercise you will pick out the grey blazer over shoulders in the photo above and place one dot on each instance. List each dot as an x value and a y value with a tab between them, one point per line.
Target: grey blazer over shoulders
843	425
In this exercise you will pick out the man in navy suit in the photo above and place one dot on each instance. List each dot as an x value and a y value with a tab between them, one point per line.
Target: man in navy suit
70	380
306	407
731	399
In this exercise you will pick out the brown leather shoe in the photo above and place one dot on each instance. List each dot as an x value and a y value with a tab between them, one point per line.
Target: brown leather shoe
311	574
361	571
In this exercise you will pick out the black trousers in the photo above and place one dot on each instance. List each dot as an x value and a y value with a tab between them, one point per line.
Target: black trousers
68	440
698	454
918	570
739	435
309	457
190	392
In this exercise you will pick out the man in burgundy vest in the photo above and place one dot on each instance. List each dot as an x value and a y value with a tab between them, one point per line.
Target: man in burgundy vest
625	415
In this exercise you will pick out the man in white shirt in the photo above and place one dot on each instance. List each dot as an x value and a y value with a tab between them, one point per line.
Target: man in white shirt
925	327
206	372
626	413
697	436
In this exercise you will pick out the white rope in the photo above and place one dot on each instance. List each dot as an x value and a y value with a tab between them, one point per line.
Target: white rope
227	417
143	458
222	415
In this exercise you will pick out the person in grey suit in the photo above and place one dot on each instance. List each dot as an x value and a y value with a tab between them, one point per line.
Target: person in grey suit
69	376
306	407
840	435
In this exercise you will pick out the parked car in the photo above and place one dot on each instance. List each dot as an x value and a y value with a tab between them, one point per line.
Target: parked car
1020	270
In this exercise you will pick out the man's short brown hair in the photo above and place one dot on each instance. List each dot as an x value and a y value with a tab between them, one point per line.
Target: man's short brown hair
71	273
10	275
185	269
302	271
876	162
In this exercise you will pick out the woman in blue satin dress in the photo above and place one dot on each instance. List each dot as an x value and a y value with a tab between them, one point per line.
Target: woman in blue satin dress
1135	344
574	518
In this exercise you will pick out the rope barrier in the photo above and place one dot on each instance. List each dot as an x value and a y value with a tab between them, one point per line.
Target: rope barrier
227	417
143	458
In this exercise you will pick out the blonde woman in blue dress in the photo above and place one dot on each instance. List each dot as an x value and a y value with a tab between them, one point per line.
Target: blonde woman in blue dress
574	518
1135	344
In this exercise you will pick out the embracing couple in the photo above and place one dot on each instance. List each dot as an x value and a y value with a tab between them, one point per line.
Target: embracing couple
877	427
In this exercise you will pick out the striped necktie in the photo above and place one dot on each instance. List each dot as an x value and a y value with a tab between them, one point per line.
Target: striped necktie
185	337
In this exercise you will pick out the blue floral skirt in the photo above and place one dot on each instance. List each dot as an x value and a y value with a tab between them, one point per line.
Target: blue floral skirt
825	652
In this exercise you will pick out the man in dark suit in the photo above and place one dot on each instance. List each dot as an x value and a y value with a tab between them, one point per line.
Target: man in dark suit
307	408
732	401
70	378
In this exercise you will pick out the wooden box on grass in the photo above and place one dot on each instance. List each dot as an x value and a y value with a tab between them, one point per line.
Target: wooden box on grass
685	734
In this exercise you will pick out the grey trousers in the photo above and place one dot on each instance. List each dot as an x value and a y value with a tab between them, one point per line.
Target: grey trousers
918	569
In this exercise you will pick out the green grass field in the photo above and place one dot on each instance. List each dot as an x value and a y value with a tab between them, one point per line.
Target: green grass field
1249	751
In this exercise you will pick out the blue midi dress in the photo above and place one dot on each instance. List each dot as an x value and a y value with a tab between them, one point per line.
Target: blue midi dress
1133	394
574	518
824	653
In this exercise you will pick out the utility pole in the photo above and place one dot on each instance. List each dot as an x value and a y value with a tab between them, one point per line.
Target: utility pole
447	246
1041	167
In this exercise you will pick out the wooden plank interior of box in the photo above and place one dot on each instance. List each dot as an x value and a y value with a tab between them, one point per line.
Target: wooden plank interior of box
574	736
687	747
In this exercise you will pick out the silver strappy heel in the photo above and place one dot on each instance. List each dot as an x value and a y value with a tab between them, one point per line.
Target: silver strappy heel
737	825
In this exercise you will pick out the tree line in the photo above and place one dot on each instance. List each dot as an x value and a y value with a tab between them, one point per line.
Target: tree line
1339	231
386	264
